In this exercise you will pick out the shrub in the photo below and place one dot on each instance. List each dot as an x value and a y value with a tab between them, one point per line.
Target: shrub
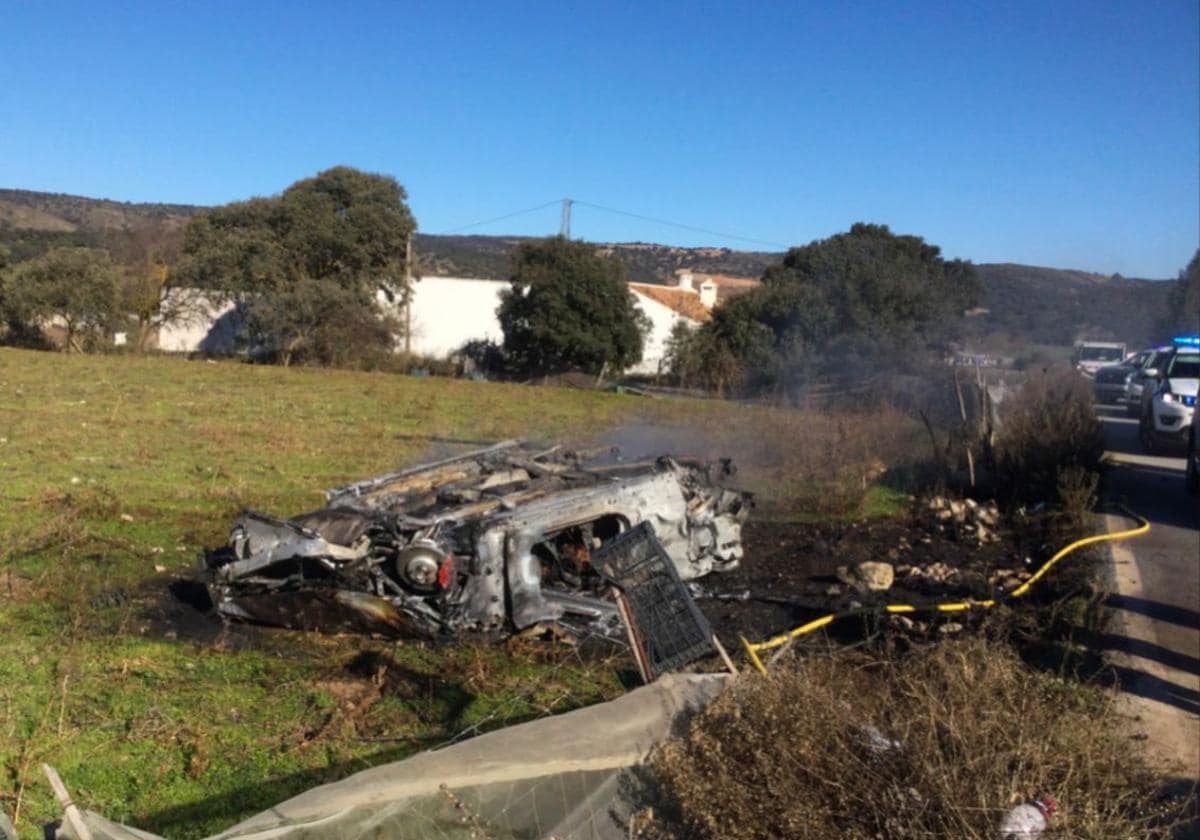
939	744
1048	428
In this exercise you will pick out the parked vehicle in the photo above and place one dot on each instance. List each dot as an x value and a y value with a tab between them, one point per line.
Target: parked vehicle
1168	407
1111	381
1090	356
1148	372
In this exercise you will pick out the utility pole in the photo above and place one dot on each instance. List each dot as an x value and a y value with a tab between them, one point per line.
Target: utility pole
408	293
564	229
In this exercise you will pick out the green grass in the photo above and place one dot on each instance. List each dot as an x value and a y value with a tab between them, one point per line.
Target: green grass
117	471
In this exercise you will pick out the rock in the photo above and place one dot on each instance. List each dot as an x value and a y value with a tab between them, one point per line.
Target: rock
944	514
950	627
125	517
903	621
893	554
939	572
958	510
937	503
875	576
833	590
971	504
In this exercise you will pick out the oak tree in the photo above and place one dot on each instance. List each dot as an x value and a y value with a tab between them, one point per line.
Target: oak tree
308	266
568	308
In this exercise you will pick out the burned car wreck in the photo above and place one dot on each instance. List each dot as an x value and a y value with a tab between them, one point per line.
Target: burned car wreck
492	542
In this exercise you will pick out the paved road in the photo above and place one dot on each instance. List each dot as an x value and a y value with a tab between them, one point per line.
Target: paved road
1155	643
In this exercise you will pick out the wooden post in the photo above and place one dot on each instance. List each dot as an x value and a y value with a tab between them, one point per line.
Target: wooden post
962	411
724	656
408	293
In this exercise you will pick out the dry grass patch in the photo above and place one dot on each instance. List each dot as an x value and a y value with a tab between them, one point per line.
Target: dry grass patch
939	744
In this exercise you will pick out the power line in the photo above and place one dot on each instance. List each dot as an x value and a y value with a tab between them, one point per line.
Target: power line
499	218
565	224
681	226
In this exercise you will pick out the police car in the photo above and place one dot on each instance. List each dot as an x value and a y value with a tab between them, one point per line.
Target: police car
1169	401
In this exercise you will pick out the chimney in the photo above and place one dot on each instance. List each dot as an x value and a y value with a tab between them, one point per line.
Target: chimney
708	294
685	281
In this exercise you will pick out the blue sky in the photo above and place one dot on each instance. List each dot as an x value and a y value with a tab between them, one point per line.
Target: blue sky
1061	133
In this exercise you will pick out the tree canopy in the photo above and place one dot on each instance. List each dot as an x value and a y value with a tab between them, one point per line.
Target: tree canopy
843	306
307	265
569	308
76	286
1184	300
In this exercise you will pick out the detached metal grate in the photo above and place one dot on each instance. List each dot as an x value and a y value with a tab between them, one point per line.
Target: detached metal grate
666	628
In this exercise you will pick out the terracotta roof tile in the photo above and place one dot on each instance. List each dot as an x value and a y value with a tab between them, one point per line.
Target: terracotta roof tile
678	300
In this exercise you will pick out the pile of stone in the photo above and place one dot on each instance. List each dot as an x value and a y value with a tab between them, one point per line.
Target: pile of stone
967	519
937	572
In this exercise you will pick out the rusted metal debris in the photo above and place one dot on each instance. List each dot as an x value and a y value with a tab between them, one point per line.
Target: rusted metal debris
493	542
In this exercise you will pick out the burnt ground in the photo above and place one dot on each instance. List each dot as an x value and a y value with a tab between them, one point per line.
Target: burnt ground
789	573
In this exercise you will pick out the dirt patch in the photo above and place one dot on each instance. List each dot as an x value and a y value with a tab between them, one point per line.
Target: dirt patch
790	571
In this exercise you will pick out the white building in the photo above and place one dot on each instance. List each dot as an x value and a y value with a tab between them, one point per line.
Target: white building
208	325
447	312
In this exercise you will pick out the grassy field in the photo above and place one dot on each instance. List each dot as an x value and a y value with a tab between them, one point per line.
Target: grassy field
117	471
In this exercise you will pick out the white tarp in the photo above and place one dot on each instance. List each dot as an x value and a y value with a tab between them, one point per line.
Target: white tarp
569	777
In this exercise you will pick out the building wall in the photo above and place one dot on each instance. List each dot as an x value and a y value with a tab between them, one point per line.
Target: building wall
447	312
662	320
210	329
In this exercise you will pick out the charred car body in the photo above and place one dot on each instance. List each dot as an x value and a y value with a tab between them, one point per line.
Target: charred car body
494	541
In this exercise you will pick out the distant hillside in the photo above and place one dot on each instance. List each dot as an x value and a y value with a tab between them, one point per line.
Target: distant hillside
32	222
1057	306
488	256
1025	304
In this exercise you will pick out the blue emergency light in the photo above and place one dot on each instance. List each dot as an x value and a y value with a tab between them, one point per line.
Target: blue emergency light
1187	341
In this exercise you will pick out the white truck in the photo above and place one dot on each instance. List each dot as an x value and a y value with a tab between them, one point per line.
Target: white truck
1090	356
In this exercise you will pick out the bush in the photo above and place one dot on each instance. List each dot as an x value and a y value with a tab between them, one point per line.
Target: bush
940	744
1047	429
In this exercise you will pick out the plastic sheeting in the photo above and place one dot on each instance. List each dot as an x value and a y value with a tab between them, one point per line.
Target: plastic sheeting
571	777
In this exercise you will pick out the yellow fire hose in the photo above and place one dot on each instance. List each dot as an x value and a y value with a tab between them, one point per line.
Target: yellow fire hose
752	649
